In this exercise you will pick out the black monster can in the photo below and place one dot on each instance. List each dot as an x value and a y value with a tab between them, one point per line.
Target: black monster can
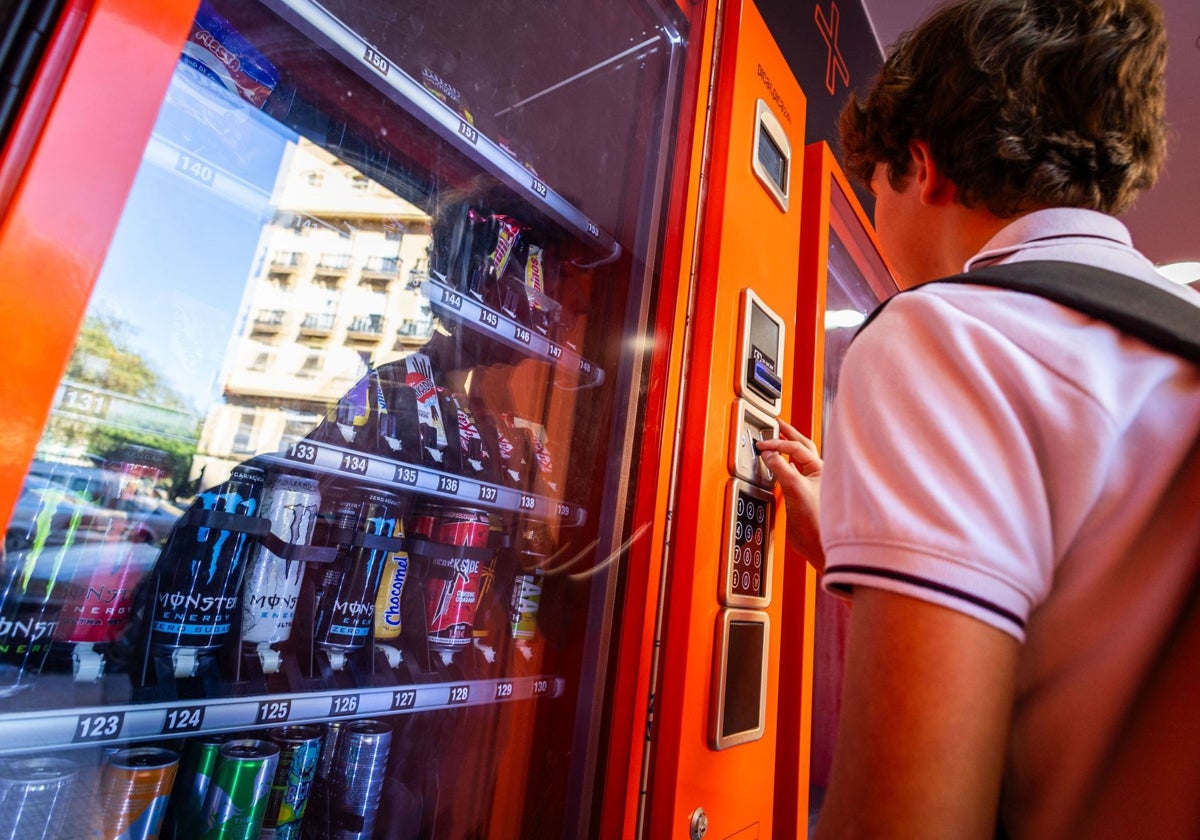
365	519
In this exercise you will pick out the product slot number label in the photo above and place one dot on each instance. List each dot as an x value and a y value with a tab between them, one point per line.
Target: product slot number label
304	452
487	494
446	484
489	318
459	694
274	711
468	131
406	475
102	727
541	687
184	719
377	61
528	502
452	299
522	335
406	699
197	169
504	690
343	704
554	351
539	187
354	463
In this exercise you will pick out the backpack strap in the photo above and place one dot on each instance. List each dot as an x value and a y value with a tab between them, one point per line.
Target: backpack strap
1133	306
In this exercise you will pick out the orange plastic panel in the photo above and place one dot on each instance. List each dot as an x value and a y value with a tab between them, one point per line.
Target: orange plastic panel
99	109
744	240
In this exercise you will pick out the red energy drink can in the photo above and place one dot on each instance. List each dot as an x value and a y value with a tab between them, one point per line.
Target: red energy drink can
453	581
134	790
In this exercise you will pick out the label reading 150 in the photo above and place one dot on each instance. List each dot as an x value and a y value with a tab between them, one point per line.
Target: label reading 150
99	727
183	719
459	694
274	711
343	704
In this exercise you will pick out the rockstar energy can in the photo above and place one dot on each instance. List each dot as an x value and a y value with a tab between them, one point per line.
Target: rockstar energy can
452	586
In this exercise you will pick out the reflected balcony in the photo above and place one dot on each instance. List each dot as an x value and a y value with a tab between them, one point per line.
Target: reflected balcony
267	322
365	328
317	324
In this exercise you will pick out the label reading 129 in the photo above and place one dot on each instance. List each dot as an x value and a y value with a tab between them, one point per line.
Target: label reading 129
274	711
102	727
183	719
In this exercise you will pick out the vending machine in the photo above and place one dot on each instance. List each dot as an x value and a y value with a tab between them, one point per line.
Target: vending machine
381	384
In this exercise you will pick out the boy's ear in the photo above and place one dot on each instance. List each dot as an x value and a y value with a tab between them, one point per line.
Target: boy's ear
934	188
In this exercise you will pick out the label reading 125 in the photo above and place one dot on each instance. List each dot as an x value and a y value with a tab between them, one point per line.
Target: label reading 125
100	727
183	719
274	711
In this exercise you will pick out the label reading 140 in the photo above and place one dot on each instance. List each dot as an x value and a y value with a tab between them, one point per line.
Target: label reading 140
183	719
274	711
101	727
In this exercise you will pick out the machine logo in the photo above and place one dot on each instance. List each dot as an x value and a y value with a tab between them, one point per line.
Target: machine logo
835	65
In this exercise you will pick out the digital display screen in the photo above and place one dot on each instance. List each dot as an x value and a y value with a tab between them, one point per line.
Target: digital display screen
742	702
748	563
772	159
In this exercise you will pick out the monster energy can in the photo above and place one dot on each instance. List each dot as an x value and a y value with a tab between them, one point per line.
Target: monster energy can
361	764
299	750
236	802
272	587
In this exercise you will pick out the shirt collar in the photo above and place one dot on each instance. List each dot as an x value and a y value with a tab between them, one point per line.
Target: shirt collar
1053	226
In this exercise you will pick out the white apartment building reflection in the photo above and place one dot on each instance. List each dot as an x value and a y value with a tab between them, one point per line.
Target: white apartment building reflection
336	283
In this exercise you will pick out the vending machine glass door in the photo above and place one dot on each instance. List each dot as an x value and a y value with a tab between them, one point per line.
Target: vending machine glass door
334	482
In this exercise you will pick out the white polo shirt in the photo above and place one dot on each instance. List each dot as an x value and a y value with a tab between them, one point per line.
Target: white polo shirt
1007	457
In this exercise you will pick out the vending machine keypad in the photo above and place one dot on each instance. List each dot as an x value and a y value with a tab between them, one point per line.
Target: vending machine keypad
747	568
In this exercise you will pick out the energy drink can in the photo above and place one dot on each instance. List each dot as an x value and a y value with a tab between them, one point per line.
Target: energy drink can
135	787
453	583
197	765
272	587
391	588
361	761
347	588
237	797
201	569
299	751
34	793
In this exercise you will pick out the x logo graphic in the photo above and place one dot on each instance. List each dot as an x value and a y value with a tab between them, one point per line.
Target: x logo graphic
835	62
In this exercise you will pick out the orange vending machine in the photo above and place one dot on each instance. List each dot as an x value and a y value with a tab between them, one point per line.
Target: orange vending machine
379	399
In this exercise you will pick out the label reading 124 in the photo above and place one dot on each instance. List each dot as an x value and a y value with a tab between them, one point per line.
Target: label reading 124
101	727
274	711
183	719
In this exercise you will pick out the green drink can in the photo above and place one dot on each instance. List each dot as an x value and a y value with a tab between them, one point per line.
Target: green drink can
236	802
196	768
300	747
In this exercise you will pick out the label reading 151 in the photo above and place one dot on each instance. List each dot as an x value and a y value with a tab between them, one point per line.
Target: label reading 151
274	711
100	727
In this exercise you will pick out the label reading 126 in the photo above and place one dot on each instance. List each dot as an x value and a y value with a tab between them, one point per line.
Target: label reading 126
343	704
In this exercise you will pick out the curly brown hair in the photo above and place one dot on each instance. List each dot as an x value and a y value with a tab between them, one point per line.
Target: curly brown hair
1024	103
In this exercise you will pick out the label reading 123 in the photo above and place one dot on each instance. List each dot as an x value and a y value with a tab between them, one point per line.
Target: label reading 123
101	727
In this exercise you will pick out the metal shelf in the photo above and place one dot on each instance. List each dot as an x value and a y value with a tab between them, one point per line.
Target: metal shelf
55	729
371	63
473	314
391	474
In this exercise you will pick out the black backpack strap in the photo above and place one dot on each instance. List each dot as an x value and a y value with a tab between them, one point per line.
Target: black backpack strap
1133	306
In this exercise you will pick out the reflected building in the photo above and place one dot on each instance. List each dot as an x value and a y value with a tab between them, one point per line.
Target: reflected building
336	283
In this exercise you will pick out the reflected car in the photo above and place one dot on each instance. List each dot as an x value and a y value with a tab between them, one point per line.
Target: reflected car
51	515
